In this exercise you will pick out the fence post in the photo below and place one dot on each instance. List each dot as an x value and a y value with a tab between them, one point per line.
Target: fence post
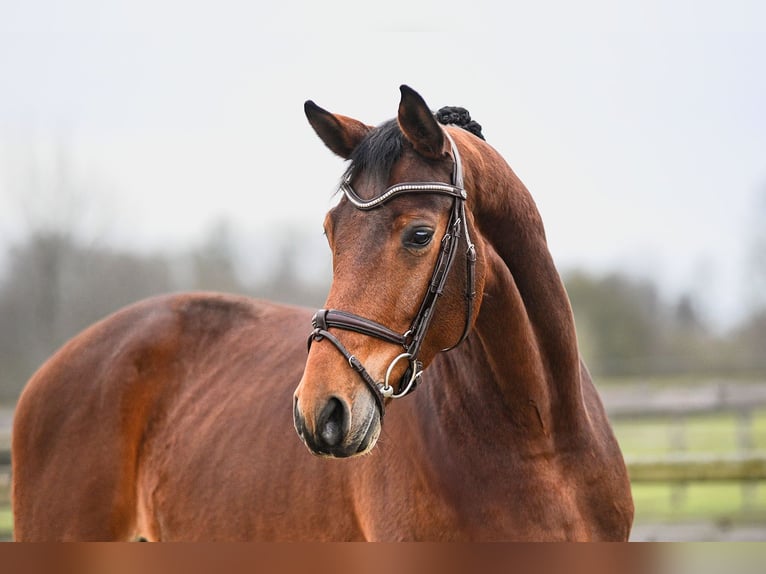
745	443
677	431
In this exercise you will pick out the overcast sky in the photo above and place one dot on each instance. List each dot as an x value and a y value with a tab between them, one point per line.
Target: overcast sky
639	127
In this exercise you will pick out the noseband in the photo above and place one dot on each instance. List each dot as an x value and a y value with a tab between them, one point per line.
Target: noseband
412	339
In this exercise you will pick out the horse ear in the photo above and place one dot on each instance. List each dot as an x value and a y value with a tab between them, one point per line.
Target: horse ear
339	133
419	125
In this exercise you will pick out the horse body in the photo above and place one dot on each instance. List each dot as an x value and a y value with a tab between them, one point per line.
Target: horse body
171	419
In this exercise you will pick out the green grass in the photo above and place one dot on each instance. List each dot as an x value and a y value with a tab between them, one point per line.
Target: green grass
6	523
699	501
716	434
6	518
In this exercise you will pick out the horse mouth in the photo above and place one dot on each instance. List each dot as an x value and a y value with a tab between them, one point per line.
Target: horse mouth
362	443
370	436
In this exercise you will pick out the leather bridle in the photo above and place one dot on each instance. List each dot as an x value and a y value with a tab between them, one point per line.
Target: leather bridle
412	339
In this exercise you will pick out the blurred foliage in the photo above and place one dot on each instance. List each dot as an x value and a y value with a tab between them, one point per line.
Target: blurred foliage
625	328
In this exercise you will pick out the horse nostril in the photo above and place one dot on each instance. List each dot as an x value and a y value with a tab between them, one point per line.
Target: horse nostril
300	425
333	422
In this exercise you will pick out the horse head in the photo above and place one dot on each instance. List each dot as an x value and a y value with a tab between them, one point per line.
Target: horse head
407	275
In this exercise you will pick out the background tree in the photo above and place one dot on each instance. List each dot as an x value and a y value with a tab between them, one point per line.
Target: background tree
626	328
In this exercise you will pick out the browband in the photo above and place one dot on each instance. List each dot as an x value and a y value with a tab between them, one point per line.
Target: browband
438	187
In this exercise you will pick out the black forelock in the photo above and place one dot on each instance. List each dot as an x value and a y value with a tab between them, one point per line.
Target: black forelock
378	151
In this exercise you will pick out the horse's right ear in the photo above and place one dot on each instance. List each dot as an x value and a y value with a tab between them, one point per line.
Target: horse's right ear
339	133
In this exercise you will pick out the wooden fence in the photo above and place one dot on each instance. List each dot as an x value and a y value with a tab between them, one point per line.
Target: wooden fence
683	467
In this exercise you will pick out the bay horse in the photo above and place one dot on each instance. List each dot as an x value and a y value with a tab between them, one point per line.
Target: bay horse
175	418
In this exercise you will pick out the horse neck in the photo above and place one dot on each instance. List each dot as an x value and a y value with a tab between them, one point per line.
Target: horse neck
525	328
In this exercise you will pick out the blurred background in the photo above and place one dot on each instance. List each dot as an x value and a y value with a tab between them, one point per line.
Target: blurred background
148	147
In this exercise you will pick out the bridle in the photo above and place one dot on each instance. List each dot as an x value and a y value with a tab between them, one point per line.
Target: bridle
412	339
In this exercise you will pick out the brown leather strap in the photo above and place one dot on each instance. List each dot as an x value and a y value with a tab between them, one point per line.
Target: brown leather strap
327	318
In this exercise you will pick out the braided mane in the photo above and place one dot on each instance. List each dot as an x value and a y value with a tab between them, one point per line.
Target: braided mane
457	116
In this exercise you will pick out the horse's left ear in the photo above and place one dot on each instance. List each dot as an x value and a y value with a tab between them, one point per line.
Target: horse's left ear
339	133
419	125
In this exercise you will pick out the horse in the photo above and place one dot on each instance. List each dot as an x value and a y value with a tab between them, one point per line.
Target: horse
201	416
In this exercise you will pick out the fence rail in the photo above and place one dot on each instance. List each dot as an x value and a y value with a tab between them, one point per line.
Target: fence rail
698	468
642	401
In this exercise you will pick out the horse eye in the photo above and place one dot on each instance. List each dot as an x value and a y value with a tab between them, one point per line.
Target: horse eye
418	237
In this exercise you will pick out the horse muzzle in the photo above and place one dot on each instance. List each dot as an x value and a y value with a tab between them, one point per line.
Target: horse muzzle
335	429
